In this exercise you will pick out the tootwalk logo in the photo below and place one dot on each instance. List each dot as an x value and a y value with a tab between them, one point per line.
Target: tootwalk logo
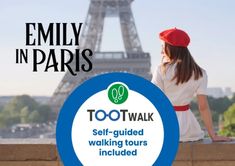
116	121
118	94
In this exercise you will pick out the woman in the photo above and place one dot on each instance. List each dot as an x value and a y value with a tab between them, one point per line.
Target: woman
179	77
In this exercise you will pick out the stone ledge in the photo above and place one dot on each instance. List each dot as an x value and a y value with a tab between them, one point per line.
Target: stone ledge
206	151
42	152
28	150
30	163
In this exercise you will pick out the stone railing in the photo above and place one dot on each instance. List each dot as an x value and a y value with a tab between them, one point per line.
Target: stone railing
28	152
43	152
206	153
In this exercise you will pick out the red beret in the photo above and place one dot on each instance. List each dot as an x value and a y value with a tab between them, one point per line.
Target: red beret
175	37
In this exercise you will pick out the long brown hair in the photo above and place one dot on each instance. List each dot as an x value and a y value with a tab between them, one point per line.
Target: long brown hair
186	67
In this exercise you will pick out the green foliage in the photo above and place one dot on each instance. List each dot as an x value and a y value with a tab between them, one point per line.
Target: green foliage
24	112
24	109
229	115
2	121
215	117
219	105
45	112
228	130
233	98
34	117
229	122
19	102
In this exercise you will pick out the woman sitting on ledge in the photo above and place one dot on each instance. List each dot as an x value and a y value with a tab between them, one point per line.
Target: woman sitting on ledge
179	77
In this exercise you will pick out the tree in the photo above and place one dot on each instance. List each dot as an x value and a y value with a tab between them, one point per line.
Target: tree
24	109
233	98
229	122
219	105
45	113
229	115
24	112
2	121
15	105
34	117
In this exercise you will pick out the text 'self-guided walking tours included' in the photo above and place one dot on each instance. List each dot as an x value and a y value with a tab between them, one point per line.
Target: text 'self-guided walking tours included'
117	118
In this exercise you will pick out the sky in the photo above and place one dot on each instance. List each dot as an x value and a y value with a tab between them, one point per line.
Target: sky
210	25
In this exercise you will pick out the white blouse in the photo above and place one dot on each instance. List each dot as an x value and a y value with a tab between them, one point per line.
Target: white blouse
180	95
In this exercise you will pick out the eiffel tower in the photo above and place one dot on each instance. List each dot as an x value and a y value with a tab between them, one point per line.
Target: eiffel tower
133	60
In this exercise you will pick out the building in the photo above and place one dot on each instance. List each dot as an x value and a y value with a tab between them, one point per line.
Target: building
218	92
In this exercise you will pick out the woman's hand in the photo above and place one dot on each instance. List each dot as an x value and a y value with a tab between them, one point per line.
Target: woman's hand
217	138
206	117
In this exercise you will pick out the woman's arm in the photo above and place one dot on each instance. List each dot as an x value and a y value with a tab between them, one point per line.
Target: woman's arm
205	112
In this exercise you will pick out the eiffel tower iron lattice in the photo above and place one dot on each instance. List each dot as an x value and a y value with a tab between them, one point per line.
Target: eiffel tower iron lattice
133	60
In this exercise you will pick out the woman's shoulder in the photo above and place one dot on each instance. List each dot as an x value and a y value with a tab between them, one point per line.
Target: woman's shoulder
162	68
203	79
167	66
204	73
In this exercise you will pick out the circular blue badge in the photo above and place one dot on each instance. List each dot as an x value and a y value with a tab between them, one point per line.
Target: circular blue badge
117	94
